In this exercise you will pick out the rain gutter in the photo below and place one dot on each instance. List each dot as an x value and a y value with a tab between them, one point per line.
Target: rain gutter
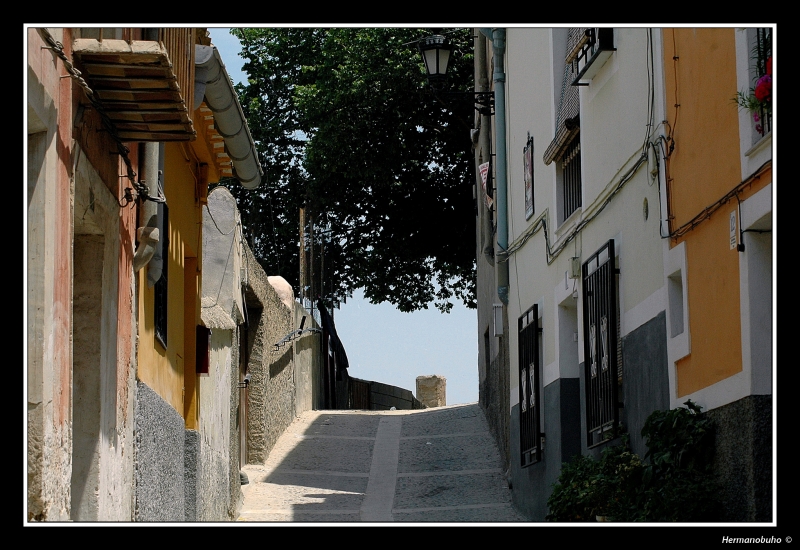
213	84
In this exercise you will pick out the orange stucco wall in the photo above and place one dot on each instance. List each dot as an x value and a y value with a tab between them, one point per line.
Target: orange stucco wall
700	83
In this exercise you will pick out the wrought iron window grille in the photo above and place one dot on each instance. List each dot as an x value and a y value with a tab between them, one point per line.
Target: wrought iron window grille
531	436
601	345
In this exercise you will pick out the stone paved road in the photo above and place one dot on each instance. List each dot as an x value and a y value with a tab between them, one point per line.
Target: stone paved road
436	465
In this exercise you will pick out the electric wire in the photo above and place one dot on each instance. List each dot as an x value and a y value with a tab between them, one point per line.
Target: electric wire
541	222
141	189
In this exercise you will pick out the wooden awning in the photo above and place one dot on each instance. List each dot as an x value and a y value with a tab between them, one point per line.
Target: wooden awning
141	93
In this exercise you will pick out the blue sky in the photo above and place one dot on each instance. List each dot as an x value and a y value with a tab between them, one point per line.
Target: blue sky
384	344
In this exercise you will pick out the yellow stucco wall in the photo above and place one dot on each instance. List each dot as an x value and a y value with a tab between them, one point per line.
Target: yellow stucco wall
700	84
163	370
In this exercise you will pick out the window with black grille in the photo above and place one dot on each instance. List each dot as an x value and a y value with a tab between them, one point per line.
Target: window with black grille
565	148
529	393
602	358
571	177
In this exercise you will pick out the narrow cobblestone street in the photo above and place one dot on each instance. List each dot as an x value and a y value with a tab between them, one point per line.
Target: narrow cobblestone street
434	465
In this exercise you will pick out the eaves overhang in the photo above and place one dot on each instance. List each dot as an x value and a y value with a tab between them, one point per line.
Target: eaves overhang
213	84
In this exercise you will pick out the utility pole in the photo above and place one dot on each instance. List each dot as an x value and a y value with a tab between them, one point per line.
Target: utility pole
302	254
312	286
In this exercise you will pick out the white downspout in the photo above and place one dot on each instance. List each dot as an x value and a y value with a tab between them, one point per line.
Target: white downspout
147	233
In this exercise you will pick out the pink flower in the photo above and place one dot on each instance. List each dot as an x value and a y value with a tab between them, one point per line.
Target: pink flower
756	118
764	88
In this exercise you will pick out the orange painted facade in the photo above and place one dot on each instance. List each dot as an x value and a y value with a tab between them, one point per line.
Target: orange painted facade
703	170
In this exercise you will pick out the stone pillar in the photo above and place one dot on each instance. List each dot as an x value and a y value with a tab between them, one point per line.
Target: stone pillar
431	390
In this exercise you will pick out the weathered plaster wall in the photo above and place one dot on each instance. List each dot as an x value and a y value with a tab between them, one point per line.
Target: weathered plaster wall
192	469
103	377
308	364
215	430
493	368
216	446
49	259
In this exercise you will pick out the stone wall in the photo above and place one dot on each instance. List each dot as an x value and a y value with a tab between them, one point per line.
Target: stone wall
494	374
384	397
282	377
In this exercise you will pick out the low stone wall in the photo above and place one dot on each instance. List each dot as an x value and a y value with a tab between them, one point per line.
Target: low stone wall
282	378
382	397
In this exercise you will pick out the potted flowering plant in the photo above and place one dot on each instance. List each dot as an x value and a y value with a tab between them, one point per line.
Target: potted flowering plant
758	101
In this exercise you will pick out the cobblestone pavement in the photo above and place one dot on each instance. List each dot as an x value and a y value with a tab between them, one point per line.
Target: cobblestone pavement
436	465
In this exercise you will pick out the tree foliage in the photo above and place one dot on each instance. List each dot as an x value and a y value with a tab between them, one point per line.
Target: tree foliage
346	126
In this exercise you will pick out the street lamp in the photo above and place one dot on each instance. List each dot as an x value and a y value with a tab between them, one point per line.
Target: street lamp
436	51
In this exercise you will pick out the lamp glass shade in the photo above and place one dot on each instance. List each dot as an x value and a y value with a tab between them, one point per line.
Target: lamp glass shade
436	54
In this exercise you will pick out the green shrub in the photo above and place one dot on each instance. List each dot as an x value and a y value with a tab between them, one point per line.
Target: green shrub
588	488
675	485
678	483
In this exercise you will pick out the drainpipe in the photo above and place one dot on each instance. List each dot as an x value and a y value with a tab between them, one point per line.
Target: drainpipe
498	37
147	233
485	146
156	265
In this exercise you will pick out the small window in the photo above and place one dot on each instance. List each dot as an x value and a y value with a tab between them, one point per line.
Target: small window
675	300
570	178
201	350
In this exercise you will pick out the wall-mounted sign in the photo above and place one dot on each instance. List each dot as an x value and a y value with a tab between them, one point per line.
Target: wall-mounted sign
527	156
484	170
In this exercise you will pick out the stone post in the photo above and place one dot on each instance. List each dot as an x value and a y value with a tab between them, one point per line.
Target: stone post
431	390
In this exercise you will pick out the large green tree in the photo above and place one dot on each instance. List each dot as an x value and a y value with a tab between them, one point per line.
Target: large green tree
347	127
